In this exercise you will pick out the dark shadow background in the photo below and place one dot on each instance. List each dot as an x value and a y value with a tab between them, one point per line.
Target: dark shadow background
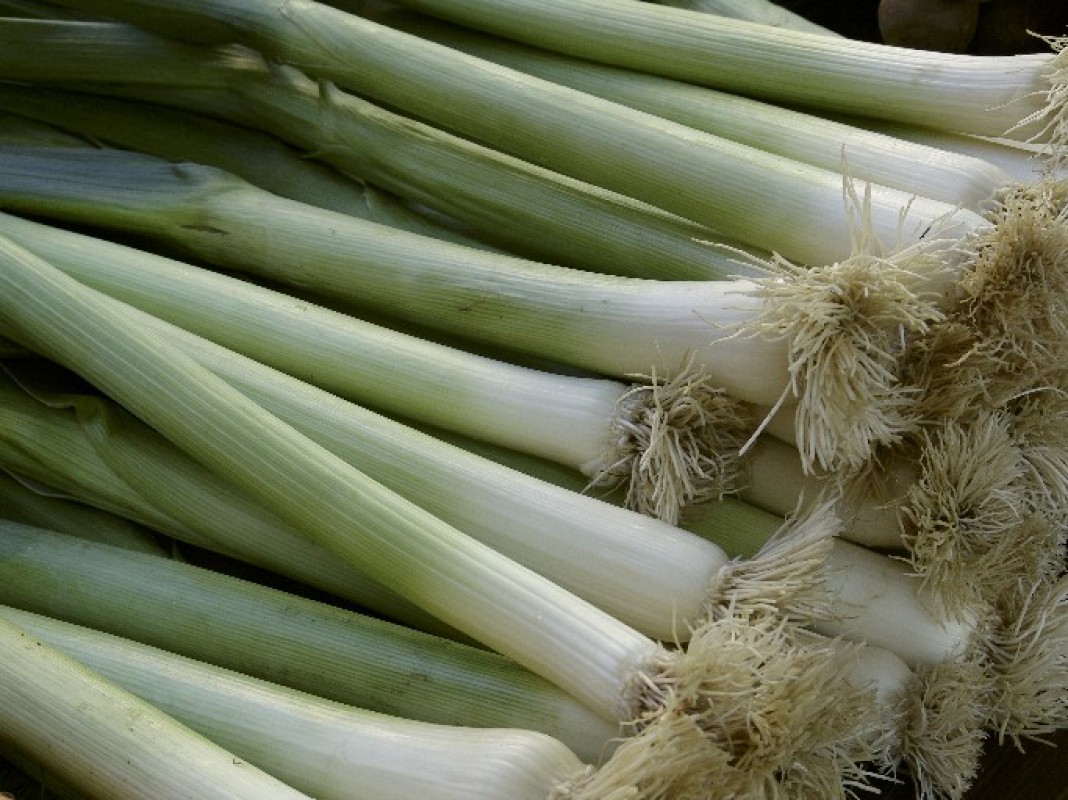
1003	24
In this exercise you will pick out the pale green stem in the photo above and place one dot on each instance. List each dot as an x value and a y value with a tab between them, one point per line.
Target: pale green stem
464	583
646	573
979	94
505	200
871	597
106	741
91	449
35	9
741	191
19	130
177	135
928	170
289	640
610	325
762	11
329	750
36	504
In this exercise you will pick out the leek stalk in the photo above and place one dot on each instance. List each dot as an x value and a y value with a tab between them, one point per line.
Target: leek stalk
327	749
31	503
336	654
113	744
87	448
763	11
669	439
871	598
972	94
507	201
64	320
1000	670
842	325
963	505
277	636
618	672
177	135
841	343
648	574
666	165
876	157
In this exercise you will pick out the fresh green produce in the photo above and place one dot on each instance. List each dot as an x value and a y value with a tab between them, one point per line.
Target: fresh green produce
277	636
840	322
113	744
928	171
327	749
529	210
841	342
35	504
181	136
668	440
621	674
763	11
992	96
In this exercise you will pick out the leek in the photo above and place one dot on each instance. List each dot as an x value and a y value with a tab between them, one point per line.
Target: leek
1002	345
19	130
958	502
1025	162
924	170
176	135
972	94
621	674
327	749
981	546
280	637
654	577
505	200
940	682
86	448
841	325
34	504
112	744
611	326
871	598
762	11
932	722
646	573
668	439
667	165
336	654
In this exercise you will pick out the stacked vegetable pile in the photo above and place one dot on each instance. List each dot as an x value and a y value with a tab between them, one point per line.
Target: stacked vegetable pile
667	405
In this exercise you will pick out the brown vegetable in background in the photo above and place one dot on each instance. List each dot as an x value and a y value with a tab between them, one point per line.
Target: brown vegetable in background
1002	26
945	25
